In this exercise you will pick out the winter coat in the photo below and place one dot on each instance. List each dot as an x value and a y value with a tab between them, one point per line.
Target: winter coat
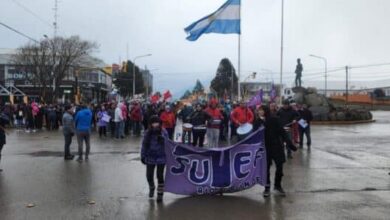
100	115
67	124
153	147
274	134
306	115
286	116
242	115
216	117
136	114
118	114
168	119
199	119
83	120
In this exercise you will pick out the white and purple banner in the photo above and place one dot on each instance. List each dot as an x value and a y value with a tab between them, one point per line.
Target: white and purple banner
201	171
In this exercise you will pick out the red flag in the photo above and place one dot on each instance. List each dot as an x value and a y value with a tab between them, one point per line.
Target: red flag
167	95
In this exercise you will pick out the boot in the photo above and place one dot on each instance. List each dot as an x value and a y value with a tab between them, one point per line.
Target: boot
151	192
160	192
266	192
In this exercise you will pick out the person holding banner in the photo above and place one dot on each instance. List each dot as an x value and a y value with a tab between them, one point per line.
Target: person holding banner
153	155
275	136
214	123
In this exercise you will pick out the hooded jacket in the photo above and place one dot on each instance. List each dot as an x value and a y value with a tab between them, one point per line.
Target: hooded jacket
83	120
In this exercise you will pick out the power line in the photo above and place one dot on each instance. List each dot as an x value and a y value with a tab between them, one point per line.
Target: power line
18	32
32	13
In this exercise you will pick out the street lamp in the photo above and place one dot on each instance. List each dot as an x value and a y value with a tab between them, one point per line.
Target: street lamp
135	58
326	71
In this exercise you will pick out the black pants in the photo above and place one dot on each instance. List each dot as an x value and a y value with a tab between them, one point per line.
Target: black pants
170	131
198	135
278	173
150	174
305	131
1	148
68	142
102	131
112	129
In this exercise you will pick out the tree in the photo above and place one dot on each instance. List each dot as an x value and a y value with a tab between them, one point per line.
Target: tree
49	61
124	81
199	88
186	95
222	82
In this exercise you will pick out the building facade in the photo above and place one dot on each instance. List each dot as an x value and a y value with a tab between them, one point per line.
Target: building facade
94	84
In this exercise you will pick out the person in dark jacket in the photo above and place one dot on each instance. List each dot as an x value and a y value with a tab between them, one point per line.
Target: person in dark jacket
198	119
275	136
111	113
3	132
153	155
287	116
68	131
305	117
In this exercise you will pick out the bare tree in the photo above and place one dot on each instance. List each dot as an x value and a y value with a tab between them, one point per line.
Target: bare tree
51	60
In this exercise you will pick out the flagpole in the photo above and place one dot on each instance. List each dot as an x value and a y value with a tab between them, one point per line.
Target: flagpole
239	58
281	55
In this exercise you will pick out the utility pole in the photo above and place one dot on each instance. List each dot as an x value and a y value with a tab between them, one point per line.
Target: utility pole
281	55
55	24
346	85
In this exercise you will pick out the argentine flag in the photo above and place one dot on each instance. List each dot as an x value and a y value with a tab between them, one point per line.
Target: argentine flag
226	20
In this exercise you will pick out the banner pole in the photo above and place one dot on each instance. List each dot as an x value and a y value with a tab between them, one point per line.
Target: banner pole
239	60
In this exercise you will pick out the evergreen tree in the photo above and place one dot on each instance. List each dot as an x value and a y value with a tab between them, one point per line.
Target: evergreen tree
222	82
124	81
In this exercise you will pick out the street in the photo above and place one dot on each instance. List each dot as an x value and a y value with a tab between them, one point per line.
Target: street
345	176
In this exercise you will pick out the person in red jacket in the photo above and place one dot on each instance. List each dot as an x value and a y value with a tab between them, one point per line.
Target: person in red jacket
213	125
136	118
168	119
241	115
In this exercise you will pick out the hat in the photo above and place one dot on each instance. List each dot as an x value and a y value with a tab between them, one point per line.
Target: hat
154	119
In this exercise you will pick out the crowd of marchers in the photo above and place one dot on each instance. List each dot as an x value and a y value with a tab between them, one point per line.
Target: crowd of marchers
213	122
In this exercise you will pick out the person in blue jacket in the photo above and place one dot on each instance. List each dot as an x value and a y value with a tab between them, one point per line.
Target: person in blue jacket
83	122
153	155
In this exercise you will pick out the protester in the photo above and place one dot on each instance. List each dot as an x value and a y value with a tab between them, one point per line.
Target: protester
259	120
83	122
68	131
4	120
136	118
168	119
241	115
198	119
119	122
305	118
153	155
102	117
274	134
111	113
214	123
287	116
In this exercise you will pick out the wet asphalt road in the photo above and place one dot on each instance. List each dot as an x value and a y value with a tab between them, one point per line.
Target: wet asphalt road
345	176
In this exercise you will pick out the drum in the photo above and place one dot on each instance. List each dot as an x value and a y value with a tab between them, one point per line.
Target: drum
244	130
187	127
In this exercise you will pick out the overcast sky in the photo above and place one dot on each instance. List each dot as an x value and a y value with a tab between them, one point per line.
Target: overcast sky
346	32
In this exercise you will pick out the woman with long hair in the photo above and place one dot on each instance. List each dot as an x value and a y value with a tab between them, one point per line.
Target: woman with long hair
153	155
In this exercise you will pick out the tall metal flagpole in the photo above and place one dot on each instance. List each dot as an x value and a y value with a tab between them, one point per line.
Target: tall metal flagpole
281	56
239	58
